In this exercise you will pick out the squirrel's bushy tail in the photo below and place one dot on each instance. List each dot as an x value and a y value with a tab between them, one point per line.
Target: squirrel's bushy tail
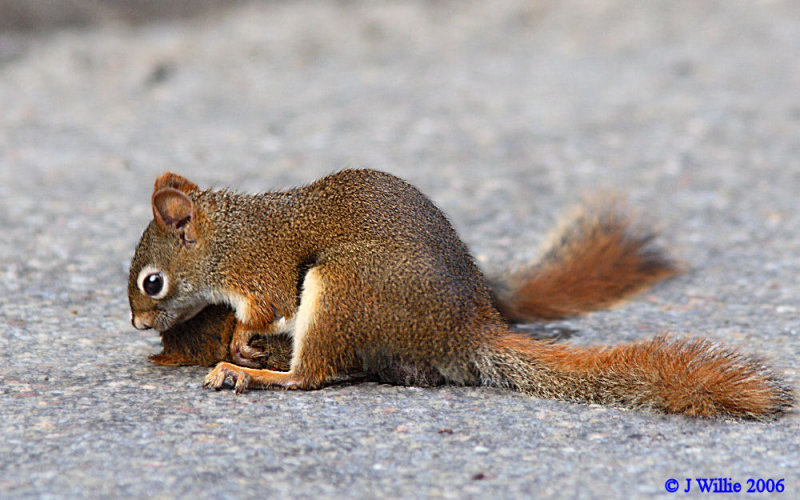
595	259
690	377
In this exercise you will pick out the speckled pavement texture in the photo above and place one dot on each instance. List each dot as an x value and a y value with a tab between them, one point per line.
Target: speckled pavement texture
504	113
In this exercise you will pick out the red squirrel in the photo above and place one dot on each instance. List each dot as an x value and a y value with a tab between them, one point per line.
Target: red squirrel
360	273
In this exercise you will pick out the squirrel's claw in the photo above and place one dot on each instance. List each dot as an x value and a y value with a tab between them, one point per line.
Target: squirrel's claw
245	355
217	377
251	352
244	378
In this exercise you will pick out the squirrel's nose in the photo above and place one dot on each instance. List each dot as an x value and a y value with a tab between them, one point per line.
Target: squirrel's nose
140	323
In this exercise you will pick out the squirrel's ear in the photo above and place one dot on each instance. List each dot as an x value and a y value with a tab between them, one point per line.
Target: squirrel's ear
174	181
174	211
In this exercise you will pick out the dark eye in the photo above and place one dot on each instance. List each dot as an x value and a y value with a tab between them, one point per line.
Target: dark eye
153	284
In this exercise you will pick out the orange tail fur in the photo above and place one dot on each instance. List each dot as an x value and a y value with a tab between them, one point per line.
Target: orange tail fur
594	261
690	377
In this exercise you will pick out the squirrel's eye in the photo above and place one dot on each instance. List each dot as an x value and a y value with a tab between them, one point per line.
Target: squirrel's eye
153	283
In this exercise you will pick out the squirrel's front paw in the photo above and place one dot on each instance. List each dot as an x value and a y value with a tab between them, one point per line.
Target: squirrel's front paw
245	355
217	377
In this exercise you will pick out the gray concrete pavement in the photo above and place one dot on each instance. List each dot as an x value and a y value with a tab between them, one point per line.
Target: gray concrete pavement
504	112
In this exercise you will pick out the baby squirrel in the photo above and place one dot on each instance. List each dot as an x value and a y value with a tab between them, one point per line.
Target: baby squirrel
359	272
205	340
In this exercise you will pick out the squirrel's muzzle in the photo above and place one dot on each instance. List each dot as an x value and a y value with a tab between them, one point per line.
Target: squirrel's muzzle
142	321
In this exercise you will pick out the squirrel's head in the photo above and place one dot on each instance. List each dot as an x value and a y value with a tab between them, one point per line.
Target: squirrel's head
162	286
